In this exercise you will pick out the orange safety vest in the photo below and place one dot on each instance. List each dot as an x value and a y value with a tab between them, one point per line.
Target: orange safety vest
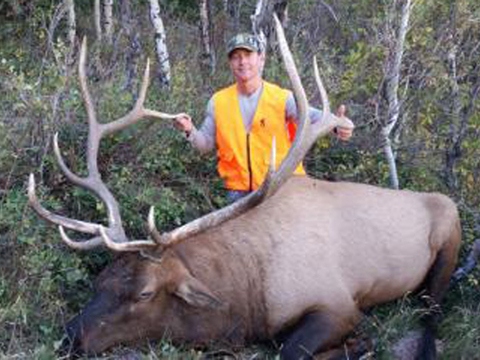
243	158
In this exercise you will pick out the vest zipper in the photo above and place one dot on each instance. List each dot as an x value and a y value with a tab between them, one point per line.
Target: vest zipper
249	163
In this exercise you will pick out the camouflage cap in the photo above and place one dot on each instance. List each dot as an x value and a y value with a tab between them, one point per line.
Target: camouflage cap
244	41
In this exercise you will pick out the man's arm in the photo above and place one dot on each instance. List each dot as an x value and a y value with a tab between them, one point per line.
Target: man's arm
202	139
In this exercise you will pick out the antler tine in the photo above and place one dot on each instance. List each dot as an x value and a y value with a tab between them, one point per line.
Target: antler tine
81	226
321	88
77	180
329	120
136	245
152	228
92	118
80	245
139	111
104	239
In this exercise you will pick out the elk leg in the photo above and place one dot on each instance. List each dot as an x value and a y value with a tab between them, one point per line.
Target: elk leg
438	278
436	284
315	331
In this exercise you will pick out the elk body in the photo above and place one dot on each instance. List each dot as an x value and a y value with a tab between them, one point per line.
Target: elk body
299	259
288	262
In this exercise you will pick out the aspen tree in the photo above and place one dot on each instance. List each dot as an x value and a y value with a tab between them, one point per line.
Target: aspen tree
163	67
392	76
208	53
97	19
108	19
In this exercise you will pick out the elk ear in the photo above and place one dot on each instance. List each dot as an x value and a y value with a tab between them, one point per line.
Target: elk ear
195	293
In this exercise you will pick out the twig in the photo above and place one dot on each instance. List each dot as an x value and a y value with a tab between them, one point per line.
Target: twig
330	10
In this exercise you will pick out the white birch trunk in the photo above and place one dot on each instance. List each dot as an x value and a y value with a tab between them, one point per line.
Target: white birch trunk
163	68
108	19
72	26
257	18
454	127
205	34
97	18
71	34
133	50
393	78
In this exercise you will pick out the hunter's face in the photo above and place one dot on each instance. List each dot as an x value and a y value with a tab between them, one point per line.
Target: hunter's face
246	65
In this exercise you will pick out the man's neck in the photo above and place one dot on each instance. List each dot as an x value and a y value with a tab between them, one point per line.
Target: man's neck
249	87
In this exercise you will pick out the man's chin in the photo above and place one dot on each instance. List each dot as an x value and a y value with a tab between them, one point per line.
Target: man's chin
245	79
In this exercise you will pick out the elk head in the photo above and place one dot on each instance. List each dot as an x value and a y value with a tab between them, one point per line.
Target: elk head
148	291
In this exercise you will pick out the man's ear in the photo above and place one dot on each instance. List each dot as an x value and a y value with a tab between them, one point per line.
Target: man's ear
195	293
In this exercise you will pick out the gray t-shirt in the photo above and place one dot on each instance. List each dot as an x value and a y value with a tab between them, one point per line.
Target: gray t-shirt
203	139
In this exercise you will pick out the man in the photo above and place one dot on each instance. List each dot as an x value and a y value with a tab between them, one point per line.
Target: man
242	119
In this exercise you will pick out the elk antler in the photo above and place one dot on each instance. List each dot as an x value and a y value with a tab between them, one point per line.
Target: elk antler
93	181
306	135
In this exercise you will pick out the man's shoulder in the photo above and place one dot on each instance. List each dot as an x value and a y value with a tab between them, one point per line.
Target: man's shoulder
271	87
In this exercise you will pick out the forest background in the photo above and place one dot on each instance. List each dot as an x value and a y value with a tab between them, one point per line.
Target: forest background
434	136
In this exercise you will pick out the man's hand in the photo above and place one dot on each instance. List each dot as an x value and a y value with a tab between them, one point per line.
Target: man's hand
184	123
342	132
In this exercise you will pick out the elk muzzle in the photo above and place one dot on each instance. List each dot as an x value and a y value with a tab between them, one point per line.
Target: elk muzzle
88	332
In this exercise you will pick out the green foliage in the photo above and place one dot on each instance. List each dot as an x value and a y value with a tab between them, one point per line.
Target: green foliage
29	262
187	9
390	323
460	327
43	283
363	74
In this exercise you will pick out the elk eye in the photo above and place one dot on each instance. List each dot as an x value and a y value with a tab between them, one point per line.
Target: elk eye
145	295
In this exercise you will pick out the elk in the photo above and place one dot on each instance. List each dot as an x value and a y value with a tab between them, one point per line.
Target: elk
297	260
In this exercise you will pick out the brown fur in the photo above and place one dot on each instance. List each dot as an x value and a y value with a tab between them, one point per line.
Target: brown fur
319	248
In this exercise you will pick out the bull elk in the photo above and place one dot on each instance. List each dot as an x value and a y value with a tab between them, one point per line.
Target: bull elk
299	258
